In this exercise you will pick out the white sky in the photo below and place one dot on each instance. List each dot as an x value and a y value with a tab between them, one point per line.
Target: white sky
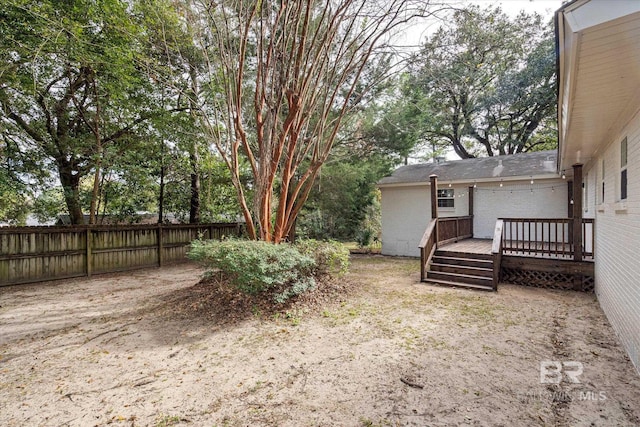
415	35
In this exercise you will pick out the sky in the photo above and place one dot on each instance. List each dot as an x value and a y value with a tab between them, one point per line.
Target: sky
545	8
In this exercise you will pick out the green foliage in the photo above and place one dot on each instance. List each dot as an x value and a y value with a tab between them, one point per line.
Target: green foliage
49	204
14	206
484	85
340	205
282	270
331	257
257	266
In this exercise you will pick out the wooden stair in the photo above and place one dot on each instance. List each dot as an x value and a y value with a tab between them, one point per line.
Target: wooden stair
461	269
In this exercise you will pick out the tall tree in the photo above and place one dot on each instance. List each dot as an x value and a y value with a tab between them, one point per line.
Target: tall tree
485	85
75	81
290	73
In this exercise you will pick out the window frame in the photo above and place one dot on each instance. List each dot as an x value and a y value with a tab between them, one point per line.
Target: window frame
449	198
624	160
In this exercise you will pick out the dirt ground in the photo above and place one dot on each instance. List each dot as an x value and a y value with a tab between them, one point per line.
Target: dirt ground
122	350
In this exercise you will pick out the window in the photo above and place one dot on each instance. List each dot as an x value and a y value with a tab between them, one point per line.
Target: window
623	169
585	193
446	198
601	192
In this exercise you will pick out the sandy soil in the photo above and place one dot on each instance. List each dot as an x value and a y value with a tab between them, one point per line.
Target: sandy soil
122	350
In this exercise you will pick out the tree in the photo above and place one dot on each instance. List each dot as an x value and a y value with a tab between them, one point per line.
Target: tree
486	84
342	195
76	82
290	73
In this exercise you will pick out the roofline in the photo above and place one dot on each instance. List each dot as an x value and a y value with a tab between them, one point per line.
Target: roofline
477	181
559	32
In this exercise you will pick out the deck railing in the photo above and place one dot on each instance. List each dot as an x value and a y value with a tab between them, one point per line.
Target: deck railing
497	247
439	232
427	246
454	228
550	237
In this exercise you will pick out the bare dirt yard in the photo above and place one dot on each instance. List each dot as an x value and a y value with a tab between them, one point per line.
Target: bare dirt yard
143	349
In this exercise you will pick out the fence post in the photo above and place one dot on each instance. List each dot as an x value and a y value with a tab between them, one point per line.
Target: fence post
160	248
89	254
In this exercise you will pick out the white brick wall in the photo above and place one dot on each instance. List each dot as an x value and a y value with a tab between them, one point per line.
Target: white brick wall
516	200
617	262
406	212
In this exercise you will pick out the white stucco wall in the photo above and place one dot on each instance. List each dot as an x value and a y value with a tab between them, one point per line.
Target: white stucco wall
517	199
617	256
406	212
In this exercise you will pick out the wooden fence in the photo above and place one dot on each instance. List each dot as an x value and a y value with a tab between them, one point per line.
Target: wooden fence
34	254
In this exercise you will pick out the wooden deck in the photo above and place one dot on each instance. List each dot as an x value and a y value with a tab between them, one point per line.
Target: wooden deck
469	246
525	249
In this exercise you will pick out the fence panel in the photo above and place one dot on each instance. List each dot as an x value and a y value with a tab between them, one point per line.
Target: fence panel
33	254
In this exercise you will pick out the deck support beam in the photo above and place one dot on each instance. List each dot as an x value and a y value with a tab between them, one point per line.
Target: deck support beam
433	179
471	207
577	222
577	212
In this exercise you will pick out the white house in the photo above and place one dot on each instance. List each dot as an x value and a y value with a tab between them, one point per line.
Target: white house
523	185
598	45
598	51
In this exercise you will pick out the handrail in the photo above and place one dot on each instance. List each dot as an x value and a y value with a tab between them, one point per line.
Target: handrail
454	228
550	237
428	245
496	252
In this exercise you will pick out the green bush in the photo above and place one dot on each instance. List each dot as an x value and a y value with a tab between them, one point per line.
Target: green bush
285	270
254	266
331	257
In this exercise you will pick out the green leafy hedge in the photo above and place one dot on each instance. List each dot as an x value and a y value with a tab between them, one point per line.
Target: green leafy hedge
331	257
285	270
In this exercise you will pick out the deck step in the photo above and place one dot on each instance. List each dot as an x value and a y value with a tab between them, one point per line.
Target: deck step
461	278
459	284
463	255
484	271
467	262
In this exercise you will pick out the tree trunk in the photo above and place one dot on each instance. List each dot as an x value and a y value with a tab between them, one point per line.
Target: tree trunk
194	209
161	197
71	188
194	205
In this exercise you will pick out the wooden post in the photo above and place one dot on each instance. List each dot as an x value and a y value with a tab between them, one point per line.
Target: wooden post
471	207
434	202
577	212
160	248
89	255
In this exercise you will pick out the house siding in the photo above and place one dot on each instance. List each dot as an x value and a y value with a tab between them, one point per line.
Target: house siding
618	240
406	212
515	199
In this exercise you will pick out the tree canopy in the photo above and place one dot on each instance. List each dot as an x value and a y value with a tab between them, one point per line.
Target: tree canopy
483	85
258	110
290	73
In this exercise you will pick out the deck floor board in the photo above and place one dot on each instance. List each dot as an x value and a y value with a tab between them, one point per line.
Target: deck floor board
533	250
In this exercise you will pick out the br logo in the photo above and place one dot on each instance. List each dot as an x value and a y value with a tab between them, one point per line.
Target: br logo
552	371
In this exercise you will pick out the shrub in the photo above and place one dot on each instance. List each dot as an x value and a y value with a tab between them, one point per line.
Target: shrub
331	257
255	266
